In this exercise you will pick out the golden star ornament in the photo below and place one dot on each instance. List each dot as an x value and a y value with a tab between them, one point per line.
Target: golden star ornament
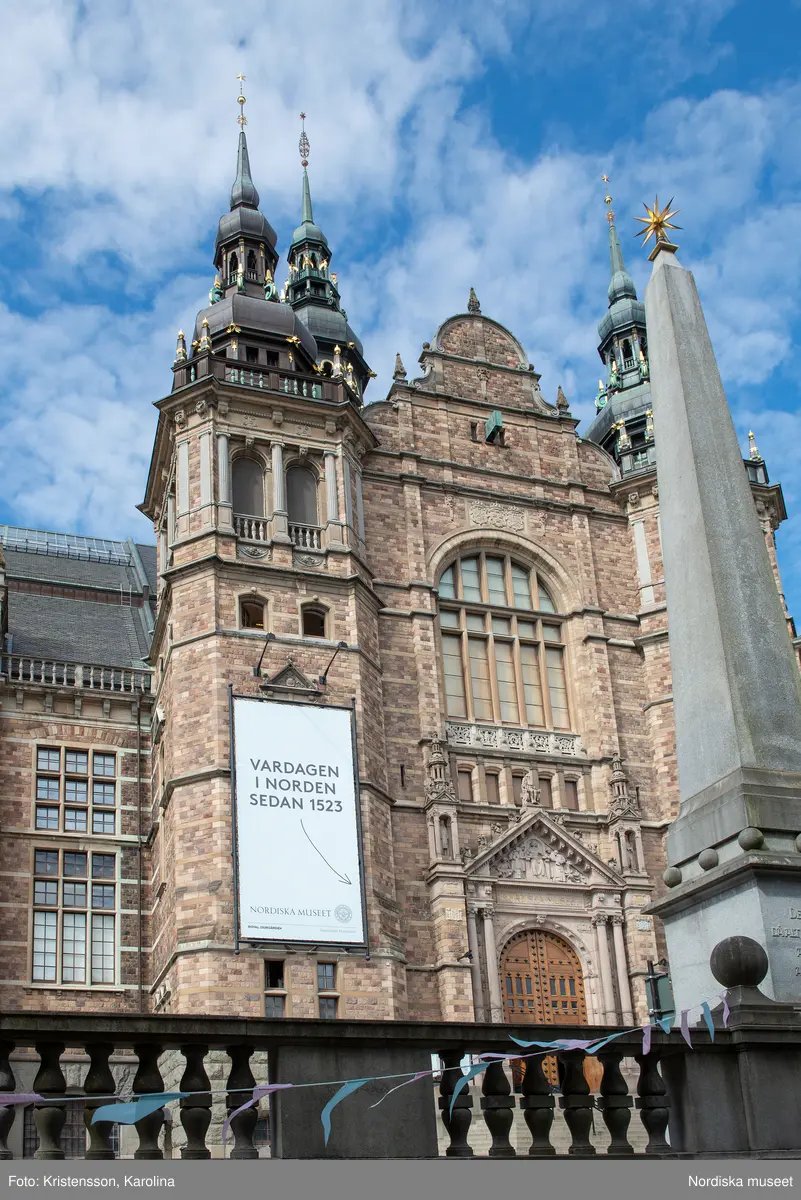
657	221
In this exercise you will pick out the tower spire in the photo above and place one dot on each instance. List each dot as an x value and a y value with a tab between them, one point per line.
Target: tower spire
304	146
244	190
621	285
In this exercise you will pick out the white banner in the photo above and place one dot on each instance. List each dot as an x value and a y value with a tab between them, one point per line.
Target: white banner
297	824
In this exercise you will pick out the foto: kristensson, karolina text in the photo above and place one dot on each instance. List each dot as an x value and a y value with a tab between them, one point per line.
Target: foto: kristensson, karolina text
90	1181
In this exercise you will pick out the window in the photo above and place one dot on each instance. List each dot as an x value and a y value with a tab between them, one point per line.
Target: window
464	784
328	1007
75	788
517	788
493	787
274	989
326	973
251	260
571	794
313	622
301	496
546	791
503	660
251	614
74	924
247	485
251	354
271	358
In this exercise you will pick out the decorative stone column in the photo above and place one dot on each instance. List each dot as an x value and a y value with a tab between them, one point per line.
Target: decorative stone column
280	516
332	499
224	501
357	479
475	964
607	991
623	986
496	1003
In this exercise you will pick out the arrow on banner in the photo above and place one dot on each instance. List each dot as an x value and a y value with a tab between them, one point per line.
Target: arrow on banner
340	877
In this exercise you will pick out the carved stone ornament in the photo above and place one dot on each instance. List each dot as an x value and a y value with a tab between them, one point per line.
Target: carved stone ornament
530	859
529	791
290	679
308	560
634	499
201	407
439	784
180	418
497	516
262	553
622	802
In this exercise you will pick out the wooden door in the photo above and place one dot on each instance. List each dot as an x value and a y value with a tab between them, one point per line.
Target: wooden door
542	983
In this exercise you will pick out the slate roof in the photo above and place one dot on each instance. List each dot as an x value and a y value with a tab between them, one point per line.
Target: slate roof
66	628
83	631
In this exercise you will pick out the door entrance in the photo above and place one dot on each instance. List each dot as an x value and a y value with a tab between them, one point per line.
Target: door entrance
542	983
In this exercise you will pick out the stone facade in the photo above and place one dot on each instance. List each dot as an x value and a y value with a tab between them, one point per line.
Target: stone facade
473	829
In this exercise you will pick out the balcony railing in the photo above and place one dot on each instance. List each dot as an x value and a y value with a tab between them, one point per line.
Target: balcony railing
251	529
19	668
229	370
305	537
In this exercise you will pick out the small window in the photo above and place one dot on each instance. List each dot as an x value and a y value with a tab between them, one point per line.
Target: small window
274	975
102	866
103	793
47	789
48	760
75	864
474	431
76	791
251	614
75	820
251	260
328	1007
301	495
247	479
77	762
46	818
546	792
251	354
45	892
104	764
102	822
313	622
571	795
274	1006
464	780
102	894
271	358
517	788
493	788
325	977
46	862
75	895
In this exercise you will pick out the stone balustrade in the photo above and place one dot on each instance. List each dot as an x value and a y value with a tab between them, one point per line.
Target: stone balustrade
462	734
18	668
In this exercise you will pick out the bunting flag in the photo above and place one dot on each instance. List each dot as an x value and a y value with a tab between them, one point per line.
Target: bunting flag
707	1015
143	1106
685	1026
9	1098
725	998
664	1023
646	1040
406	1082
259	1091
463	1081
345	1090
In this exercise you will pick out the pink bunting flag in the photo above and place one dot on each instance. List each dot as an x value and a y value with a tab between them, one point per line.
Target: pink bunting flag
258	1092
9	1098
646	1039
726	1010
685	1027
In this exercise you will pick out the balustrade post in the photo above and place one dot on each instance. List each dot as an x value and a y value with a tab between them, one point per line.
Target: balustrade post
615	1102
240	1081
537	1103
147	1080
8	1111
498	1105
576	1102
456	1123
50	1115
653	1102
99	1082
196	1109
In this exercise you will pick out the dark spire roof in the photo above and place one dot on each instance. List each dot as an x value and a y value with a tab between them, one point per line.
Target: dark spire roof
307	231
244	189
621	285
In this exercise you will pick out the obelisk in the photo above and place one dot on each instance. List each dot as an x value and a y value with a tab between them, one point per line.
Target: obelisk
734	851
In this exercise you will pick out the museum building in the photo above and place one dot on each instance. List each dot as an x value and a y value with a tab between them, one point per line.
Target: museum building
483	585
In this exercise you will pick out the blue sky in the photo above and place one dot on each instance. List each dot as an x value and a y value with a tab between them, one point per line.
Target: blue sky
452	145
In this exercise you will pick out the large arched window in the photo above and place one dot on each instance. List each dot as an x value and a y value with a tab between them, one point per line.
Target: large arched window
247	477
502	651
301	496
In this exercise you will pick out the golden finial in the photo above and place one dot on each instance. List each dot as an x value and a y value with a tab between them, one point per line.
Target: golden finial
656	223
752	446
610	216
241	120
303	145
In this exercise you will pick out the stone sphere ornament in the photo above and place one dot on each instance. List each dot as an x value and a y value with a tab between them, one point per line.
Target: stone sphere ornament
672	877
708	859
739	962
751	838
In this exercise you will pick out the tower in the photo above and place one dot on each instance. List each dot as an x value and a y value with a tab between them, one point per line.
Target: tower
624	422
255	493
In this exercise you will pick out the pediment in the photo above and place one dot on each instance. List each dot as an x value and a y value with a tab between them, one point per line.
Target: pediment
538	849
290	679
